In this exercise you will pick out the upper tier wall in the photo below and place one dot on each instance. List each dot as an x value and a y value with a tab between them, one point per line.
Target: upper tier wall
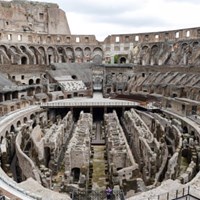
19	37
33	17
172	35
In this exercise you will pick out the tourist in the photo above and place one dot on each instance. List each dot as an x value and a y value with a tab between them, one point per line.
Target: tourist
109	193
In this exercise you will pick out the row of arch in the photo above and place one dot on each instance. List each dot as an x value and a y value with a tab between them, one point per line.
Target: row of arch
50	54
178	53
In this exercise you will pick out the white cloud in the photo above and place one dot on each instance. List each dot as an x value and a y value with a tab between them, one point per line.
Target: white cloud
106	17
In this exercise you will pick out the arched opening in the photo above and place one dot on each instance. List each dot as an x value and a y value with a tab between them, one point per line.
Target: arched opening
25	120
75	173
70	54
38	81
122	60
32	117
12	129
87	53
185	129
31	82
51	56
18	124
58	88
97	55
79	55
41	58
74	77
24	60
38	90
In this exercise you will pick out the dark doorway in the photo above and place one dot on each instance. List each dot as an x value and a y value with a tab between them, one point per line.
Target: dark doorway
24	60
122	60
75	174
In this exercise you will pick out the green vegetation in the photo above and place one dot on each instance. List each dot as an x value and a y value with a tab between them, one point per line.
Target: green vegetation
116	59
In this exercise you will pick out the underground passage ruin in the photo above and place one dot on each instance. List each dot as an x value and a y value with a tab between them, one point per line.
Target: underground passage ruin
78	114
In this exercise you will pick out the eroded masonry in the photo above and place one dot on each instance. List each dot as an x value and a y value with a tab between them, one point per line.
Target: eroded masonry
78	115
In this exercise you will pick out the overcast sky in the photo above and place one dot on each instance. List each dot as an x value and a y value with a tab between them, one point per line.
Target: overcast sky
106	17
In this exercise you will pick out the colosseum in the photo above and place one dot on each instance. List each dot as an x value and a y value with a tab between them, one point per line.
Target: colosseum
78	115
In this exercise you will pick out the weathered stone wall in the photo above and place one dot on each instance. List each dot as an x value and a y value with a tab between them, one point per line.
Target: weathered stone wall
56	137
27	166
33	17
144	146
122	166
77	155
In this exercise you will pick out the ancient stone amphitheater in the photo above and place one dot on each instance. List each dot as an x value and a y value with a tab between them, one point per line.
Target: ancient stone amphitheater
77	115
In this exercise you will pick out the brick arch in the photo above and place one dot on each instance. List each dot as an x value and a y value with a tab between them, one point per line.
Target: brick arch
30	56
87	54
4	59
51	55
97	55
41	55
70	54
62	57
78	54
34	54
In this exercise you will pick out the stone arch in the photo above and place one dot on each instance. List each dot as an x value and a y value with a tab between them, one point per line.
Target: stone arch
145	55
62	55
97	56
31	82
154	56
79	55
14	49
18	123
30	56
24	60
38	81
87	54
122	59
4	59
41	56
75	173
195	44
3	48
51	58
23	48
34	55
70	54
32	116
25	120
38	90
12	128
